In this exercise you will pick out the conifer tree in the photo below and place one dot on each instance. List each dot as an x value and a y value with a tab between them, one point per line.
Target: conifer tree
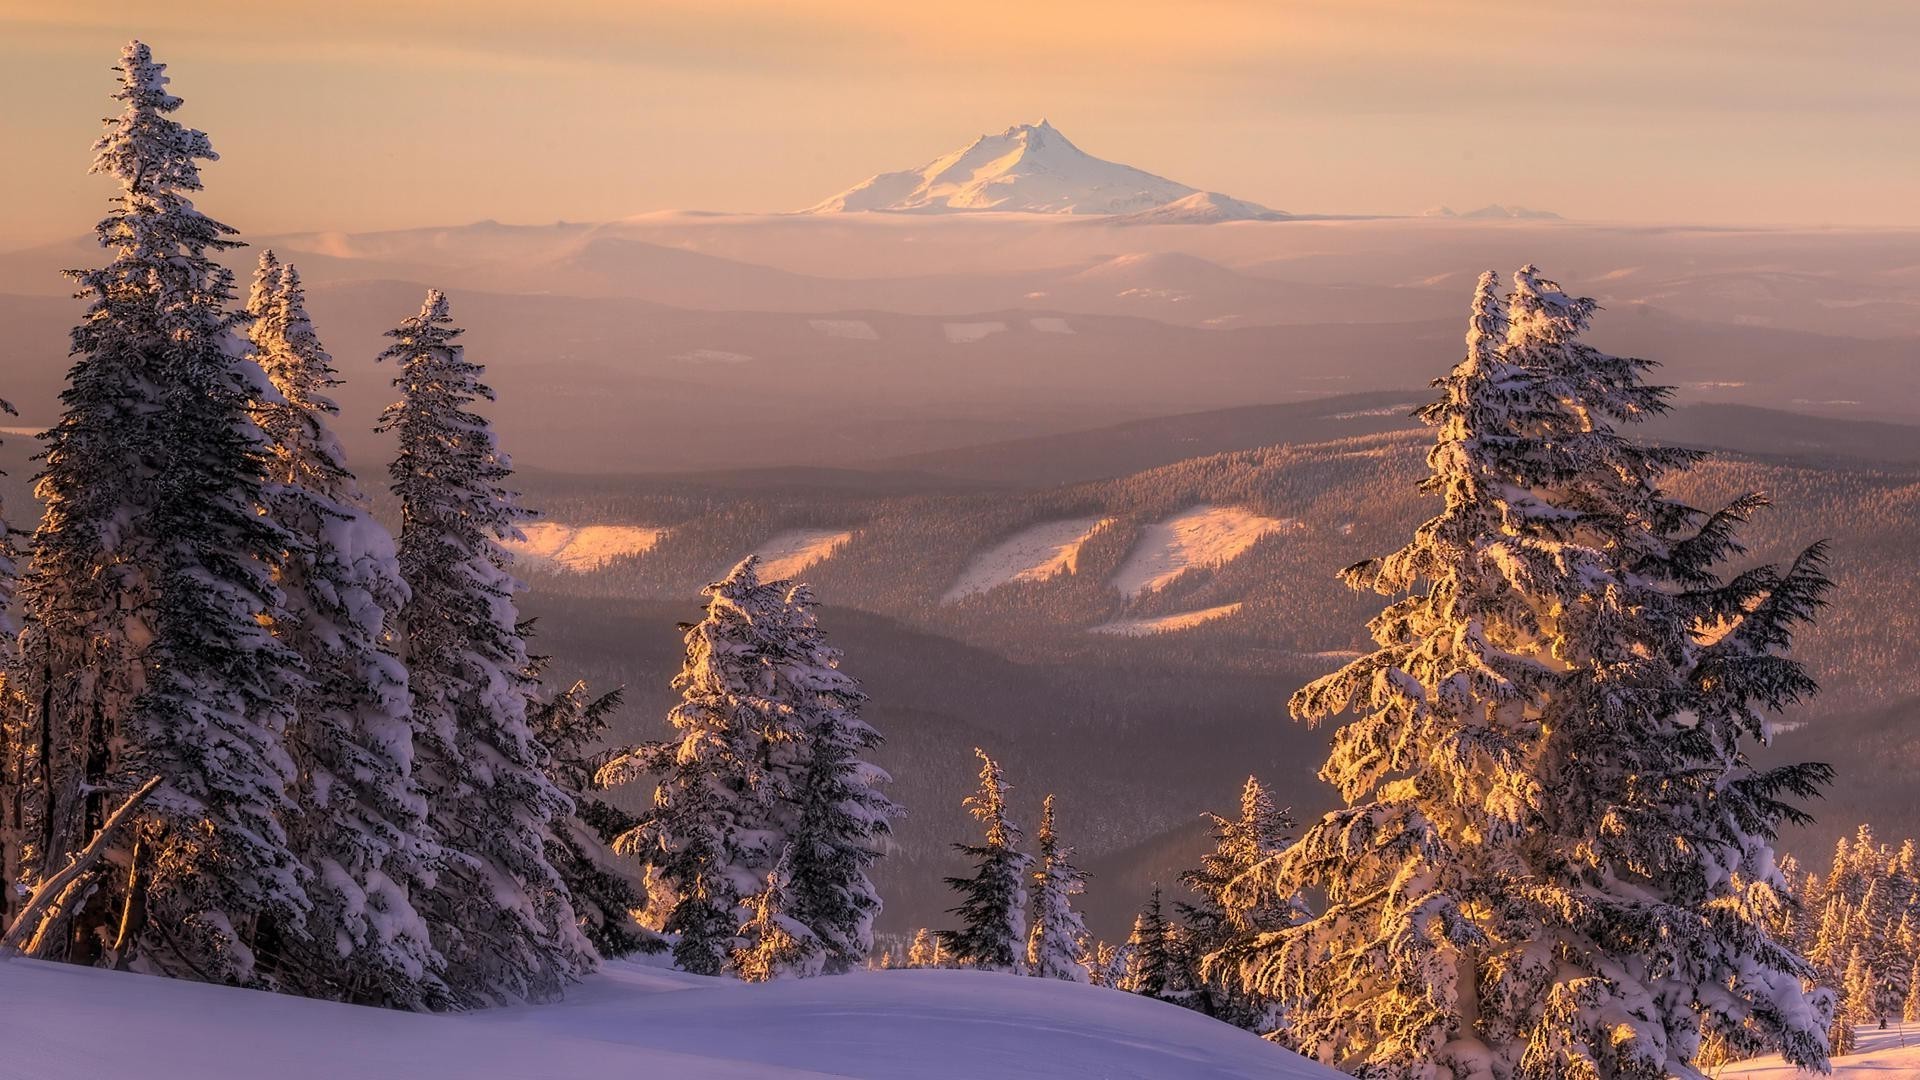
607	888
1058	937
708	837
993	902
149	587
1567	682
1219	917
840	818
1910	1006
12	721
1150	952
1105	963
499	911
923	953
777	945
360	826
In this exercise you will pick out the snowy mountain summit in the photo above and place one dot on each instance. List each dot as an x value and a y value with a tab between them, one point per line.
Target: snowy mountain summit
1032	168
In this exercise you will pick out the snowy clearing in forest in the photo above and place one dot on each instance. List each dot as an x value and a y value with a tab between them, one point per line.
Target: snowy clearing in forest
959	333
1036	553
791	552
1164	624
73	1023
712	356
857	329
550	545
1202	536
1893	1054
1051	325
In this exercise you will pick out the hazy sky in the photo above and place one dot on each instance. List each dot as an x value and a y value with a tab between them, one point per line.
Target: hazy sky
356	114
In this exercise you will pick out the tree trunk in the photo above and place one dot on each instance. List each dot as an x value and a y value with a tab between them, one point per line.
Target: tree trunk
52	898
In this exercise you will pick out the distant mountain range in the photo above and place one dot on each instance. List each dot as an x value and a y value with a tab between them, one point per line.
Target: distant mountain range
1032	168
1494	212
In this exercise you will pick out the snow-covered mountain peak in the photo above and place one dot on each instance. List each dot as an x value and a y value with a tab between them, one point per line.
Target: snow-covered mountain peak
1028	168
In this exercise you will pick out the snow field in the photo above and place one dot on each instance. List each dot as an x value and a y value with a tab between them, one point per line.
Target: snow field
1036	553
962	333
629	1020
1163	624
793	551
1893	1054
1202	536
580	548
856	329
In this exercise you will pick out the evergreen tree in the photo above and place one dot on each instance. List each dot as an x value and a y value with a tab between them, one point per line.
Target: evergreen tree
924	952
1567	683
360	826
1910	1006
1220	918
149	589
498	911
12	721
708	838
1151	959
1105	963
993	902
777	945
1058	937
607	888
841	818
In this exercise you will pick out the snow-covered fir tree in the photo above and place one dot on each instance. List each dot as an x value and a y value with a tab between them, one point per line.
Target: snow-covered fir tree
775	944
498	911
712	833
1058	938
993	901
1218	917
360	826
149	588
12	721
607	888
925	950
1153	958
1567	683
840	818
1105	962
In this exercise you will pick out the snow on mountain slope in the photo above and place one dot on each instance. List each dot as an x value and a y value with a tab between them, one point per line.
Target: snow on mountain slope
1200	208
1032	554
1893	1054
69	1023
791	552
1165	624
1202	536
1030	168
553	545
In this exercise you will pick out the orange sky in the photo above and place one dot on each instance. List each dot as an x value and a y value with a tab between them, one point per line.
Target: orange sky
357	114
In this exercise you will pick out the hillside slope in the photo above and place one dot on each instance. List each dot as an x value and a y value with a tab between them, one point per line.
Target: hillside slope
626	1021
1893	1054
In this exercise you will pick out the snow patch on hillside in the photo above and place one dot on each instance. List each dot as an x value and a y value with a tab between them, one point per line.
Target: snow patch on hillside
1051	325
1163	624
1037	553
551	545
856	329
73	1023
787	554
963	332
1203	536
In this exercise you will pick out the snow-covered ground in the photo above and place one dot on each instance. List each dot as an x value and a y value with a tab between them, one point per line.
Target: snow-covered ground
1032	554
1163	624
791	552
856	329
960	333
1202	536
68	1023
1893	1054
553	545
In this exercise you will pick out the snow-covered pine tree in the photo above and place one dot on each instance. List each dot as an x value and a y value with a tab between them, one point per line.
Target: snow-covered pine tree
1567	683
1058	938
840	819
1218	918
1910	1006
1151	958
498	911
607	888
1105	963
360	827
993	901
710	836
776	945
149	586
921	953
